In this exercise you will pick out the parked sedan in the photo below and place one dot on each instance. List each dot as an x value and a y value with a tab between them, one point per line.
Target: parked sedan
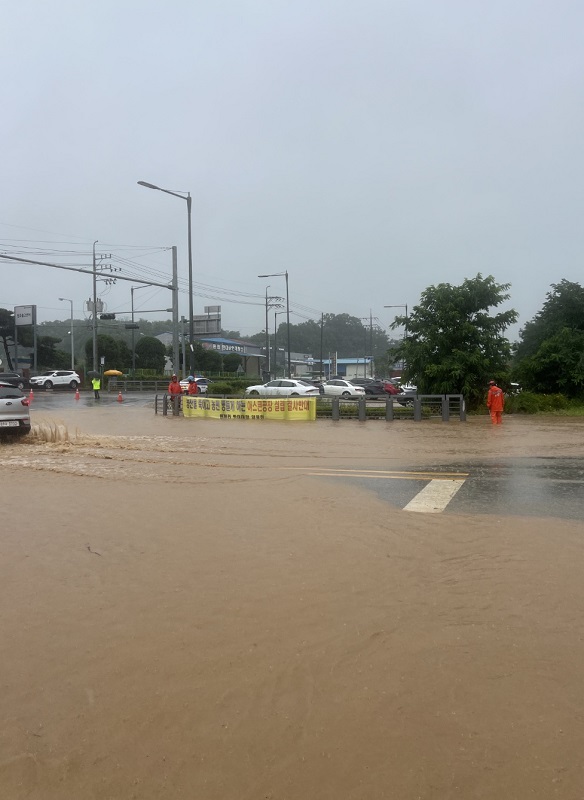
338	387
14	411
286	387
13	379
59	379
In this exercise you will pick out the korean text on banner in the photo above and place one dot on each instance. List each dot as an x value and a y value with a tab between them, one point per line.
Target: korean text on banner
287	408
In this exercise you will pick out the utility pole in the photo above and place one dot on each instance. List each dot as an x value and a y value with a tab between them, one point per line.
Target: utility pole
371	336
321	344
267	335
175	345
184	347
94	317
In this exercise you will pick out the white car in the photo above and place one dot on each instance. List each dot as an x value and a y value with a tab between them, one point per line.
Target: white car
341	388
284	387
59	378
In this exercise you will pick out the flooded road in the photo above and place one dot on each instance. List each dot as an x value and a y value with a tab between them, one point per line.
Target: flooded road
190	610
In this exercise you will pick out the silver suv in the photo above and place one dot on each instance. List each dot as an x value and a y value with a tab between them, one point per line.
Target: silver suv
59	378
14	411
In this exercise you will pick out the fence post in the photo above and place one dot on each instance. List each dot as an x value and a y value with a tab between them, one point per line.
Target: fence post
462	409
362	409
164	405
389	409
175	405
446	408
417	409
335	409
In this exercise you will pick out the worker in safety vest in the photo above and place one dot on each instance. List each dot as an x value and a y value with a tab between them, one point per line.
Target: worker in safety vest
495	403
193	387
96	386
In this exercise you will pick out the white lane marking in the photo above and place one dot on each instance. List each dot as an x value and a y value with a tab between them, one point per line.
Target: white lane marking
348	474
434	497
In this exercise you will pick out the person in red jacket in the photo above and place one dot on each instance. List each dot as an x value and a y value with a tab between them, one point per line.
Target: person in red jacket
193	387
495	403
174	387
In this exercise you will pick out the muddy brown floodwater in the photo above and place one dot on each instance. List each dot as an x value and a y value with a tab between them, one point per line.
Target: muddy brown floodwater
187	613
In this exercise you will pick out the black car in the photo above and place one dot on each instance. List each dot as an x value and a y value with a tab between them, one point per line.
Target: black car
371	386
14	379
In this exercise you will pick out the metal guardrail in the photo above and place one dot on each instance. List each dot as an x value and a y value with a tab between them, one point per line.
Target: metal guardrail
421	406
418	407
145	385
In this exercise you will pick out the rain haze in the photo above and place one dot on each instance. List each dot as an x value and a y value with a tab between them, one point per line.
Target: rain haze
370	149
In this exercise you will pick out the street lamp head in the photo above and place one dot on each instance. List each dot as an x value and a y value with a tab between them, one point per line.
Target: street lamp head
148	185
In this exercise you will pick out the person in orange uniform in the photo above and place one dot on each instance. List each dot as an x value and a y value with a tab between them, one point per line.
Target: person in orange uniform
174	387
192	388
495	403
175	391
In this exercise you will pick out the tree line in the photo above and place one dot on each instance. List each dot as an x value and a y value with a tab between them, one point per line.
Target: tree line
456	341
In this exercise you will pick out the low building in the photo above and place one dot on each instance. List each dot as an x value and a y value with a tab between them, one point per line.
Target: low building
251	354
345	367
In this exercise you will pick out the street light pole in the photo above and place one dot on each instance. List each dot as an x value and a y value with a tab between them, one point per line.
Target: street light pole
281	275
276	313
187	197
267	335
66	300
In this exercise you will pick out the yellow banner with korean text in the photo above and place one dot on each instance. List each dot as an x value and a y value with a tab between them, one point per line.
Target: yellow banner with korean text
274	408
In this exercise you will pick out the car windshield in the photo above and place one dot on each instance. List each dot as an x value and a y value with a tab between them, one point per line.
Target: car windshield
305	383
8	393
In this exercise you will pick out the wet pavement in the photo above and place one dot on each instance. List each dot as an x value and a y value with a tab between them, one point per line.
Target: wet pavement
533	485
538	487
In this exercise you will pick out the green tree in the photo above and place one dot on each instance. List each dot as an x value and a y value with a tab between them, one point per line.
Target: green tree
231	362
349	337
150	354
549	357
48	357
454	344
557	367
206	358
114	351
562	309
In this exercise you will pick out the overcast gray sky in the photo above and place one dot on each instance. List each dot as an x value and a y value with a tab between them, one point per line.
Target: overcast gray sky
371	148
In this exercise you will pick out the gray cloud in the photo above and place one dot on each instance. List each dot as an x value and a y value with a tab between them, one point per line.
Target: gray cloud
369	148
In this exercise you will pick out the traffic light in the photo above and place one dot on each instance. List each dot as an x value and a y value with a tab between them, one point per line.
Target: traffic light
107	316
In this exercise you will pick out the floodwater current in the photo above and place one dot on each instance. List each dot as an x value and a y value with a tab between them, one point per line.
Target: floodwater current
189	610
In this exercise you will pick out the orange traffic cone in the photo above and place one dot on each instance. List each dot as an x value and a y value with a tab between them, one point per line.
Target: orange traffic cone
30	396
77	394
120	398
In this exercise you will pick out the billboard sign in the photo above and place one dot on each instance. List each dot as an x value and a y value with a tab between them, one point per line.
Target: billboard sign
24	315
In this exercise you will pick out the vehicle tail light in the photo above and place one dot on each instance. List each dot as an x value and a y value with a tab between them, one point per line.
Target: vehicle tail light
24	401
